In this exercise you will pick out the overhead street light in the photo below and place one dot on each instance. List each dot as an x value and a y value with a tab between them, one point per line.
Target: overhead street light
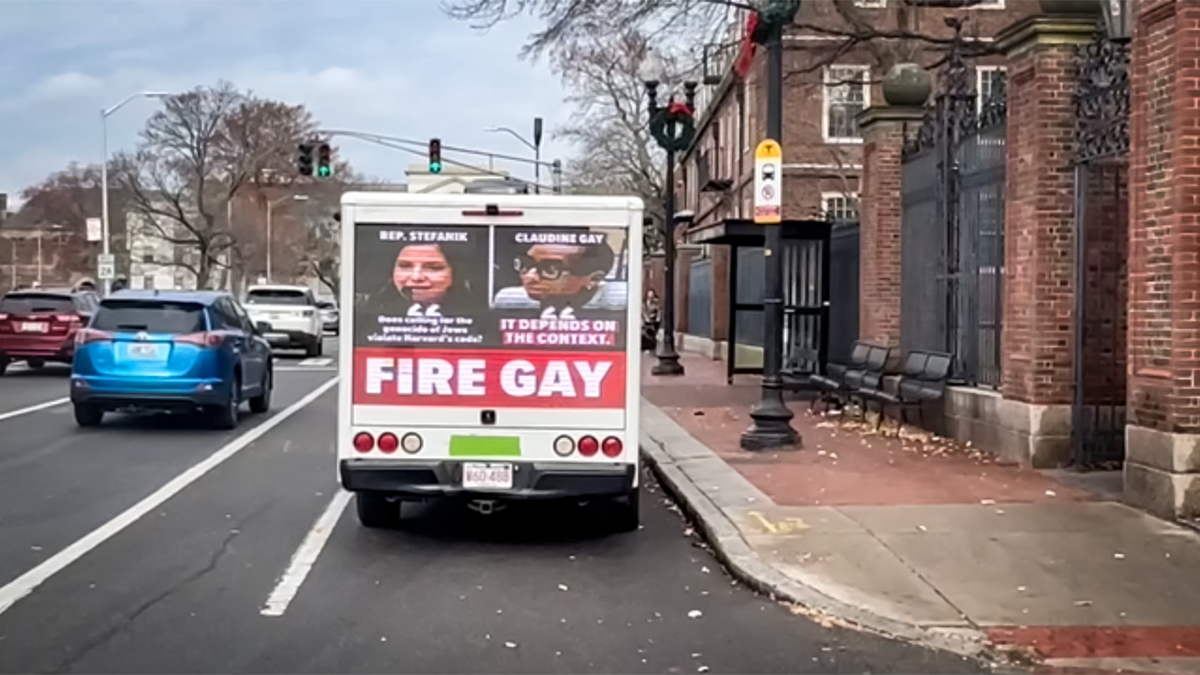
104	220
270	209
535	145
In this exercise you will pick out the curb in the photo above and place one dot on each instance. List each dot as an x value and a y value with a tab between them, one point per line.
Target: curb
744	564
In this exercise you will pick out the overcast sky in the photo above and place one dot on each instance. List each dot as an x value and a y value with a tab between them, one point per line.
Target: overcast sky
396	67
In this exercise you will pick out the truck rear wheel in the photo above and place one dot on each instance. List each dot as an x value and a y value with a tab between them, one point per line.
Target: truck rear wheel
375	511
627	514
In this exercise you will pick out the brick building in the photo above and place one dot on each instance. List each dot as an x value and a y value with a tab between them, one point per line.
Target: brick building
835	57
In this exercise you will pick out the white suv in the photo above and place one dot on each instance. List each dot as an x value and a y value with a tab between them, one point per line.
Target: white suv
291	314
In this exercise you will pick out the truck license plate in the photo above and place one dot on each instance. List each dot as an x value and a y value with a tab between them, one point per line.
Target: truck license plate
490	476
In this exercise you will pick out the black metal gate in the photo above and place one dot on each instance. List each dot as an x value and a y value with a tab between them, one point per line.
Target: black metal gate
952	229
1101	238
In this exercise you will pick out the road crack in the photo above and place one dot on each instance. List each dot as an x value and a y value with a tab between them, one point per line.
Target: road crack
128	621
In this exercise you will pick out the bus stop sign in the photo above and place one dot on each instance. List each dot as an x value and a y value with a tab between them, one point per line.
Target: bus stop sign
768	183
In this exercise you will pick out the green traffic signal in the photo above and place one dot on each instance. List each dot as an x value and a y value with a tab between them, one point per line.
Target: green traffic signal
324	171
435	167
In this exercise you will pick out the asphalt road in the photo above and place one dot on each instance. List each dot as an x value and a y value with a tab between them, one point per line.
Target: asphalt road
131	548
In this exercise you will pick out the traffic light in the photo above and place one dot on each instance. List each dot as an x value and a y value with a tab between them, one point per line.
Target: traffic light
324	159
305	162
435	155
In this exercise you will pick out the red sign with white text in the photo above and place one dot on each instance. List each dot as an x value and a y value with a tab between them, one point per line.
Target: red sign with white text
488	378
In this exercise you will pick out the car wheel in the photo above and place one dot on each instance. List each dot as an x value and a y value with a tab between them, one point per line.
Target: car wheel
313	348
627	517
36	364
4	361
225	416
88	415
375	511
261	403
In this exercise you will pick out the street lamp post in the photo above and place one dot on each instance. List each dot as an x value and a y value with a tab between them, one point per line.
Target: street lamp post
270	208
673	128
104	114
535	145
772	419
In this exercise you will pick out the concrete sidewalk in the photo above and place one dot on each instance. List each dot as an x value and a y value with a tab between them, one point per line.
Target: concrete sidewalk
893	536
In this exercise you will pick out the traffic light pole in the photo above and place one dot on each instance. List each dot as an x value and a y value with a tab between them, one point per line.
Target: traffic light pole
398	143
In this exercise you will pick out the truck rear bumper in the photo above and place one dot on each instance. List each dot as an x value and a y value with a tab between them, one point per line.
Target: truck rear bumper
531	480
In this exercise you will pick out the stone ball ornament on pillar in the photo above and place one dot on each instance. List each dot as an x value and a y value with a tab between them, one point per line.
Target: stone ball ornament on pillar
907	85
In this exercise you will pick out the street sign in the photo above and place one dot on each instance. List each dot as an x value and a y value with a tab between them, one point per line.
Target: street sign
106	266
768	183
95	229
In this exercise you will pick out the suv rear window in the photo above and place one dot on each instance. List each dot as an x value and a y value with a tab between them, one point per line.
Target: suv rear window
151	316
276	296
36	303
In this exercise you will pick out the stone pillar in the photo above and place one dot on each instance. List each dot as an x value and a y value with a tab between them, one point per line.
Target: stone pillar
1162	437
880	212
1036	340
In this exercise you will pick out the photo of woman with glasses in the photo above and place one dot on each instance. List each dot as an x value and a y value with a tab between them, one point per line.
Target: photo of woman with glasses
561	280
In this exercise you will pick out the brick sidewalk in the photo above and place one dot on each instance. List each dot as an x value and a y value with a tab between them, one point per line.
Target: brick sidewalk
841	464
924	539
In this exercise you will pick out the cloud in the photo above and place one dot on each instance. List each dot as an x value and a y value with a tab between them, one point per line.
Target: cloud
395	68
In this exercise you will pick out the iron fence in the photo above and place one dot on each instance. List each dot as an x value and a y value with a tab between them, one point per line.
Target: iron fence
952	230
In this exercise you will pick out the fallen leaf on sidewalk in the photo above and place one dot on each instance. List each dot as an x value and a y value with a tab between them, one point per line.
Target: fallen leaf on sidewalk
987	501
510	645
922	528
1050	493
1083	603
695	614
563	587
1119	556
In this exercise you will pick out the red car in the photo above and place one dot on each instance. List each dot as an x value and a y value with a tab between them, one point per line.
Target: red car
38	325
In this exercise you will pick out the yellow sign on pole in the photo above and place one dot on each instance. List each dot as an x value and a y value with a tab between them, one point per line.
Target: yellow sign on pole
768	183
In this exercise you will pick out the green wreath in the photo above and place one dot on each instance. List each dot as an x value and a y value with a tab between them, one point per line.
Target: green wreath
684	125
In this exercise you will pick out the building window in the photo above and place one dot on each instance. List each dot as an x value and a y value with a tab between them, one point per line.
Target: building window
847	92
986	78
839	207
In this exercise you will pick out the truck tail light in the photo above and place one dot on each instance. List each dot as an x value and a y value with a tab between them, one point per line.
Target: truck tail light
364	442
612	447
388	443
588	446
412	443
564	446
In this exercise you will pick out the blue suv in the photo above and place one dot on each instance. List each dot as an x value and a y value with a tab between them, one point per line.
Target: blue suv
170	351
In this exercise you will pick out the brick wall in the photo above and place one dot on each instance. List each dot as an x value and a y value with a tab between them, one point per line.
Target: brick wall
1164	178
879	247
1038	285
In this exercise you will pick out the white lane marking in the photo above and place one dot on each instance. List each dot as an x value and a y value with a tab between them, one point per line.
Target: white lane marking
27	582
317	361
305	557
297	369
34	408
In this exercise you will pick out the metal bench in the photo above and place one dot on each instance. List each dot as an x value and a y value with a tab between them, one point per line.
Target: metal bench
841	381
922	380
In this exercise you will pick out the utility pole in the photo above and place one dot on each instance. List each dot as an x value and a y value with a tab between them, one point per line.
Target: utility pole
772	427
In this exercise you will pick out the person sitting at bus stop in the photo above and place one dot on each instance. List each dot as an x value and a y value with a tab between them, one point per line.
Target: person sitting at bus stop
562	280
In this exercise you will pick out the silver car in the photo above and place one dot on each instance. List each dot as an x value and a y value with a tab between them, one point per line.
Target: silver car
329	316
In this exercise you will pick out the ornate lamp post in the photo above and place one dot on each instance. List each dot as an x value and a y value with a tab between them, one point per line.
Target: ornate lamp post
772	426
673	128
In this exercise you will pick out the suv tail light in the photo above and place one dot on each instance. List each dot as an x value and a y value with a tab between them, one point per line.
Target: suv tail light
90	335
202	340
